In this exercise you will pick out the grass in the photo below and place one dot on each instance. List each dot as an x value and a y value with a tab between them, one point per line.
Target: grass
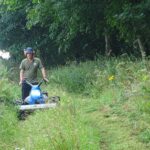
104	105
8	127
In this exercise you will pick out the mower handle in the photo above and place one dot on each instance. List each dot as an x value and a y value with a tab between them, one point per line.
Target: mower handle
26	81
42	80
39	84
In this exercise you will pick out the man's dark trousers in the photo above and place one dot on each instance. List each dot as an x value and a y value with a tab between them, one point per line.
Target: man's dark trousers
25	90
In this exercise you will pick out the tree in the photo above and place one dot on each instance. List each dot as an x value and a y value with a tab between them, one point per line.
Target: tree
132	20
74	28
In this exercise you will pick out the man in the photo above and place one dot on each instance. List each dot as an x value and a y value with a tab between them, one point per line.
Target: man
28	71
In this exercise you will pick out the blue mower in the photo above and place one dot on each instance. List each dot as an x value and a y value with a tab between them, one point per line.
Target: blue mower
36	100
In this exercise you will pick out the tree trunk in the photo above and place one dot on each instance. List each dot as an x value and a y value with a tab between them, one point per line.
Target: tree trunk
107	44
141	47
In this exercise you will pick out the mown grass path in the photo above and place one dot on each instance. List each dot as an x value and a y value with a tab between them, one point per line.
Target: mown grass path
116	131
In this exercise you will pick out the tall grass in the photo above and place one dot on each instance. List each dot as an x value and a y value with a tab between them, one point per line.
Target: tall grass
9	90
73	78
92	77
91	93
8	120
8	127
59	129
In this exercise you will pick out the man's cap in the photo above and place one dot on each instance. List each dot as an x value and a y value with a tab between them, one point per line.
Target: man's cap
29	50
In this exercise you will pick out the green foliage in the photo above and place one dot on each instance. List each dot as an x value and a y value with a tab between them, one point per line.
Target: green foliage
74	78
15	36
3	72
145	107
8	127
8	92
104	104
62	30
65	131
8	120
93	77
129	18
145	136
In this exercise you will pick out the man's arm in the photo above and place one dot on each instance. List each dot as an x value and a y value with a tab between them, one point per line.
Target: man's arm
44	74
21	76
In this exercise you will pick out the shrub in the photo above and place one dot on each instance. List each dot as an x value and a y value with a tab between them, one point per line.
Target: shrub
73	78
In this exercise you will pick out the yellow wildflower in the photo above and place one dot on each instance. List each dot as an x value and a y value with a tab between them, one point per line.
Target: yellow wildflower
111	78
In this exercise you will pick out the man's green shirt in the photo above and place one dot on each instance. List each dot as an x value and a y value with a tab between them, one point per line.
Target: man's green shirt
30	68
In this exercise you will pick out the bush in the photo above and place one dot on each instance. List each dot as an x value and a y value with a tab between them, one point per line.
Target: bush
73	78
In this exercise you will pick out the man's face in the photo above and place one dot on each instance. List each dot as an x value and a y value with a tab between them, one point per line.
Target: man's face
29	55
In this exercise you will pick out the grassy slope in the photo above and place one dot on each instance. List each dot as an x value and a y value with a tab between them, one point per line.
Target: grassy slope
104	105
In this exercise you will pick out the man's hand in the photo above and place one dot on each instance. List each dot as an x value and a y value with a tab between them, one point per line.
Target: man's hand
20	82
46	80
